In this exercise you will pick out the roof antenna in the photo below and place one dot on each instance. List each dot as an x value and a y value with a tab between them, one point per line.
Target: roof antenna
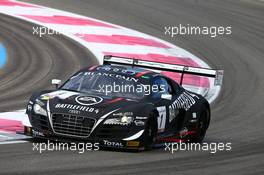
134	61
182	74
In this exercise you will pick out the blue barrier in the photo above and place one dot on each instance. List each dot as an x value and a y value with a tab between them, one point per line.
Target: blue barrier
2	55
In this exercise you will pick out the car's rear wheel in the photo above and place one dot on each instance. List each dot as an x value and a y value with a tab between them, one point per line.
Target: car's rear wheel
203	124
150	132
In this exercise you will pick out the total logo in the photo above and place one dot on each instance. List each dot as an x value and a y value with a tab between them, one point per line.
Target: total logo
88	100
113	144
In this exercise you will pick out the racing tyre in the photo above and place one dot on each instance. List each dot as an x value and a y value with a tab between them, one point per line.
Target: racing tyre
150	132
202	127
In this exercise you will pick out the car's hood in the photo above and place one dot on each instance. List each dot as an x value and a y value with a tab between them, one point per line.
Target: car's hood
66	102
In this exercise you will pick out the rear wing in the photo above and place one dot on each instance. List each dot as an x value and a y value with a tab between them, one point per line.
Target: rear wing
183	69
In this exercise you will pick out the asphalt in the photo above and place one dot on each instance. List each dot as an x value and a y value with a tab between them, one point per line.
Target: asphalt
237	114
32	61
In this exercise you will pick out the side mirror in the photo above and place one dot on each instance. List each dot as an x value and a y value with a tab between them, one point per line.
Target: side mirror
56	82
166	96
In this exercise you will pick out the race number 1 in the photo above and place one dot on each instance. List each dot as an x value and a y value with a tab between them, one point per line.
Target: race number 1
161	118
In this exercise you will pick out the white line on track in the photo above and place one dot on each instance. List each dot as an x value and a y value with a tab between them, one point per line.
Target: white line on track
12	142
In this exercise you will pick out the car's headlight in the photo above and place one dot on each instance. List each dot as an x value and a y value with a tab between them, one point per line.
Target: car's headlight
120	119
39	110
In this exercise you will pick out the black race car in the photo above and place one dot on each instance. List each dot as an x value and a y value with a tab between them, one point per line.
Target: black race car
122	104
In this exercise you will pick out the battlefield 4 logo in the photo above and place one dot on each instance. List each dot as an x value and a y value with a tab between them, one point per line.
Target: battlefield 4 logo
73	108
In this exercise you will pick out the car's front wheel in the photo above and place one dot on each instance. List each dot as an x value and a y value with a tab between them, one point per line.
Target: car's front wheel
150	132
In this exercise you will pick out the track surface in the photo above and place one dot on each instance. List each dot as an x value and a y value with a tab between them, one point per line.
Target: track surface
237	114
34	61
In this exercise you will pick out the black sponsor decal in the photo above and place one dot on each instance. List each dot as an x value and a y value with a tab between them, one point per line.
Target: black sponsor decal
76	107
117	70
88	100
173	112
29	107
74	111
186	100
139	123
122	77
113	144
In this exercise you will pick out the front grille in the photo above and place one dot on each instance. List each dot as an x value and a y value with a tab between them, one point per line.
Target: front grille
72	125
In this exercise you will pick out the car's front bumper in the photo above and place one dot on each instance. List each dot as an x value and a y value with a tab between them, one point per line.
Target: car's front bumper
136	144
119	137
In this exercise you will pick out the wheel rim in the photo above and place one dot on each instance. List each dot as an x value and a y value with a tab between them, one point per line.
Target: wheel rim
203	124
150	135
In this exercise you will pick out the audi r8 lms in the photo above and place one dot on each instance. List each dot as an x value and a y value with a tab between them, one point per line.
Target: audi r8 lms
124	103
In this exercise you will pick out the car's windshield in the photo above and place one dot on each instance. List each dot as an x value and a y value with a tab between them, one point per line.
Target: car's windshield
106	84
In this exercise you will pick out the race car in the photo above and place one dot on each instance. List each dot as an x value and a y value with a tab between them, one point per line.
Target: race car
124	103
